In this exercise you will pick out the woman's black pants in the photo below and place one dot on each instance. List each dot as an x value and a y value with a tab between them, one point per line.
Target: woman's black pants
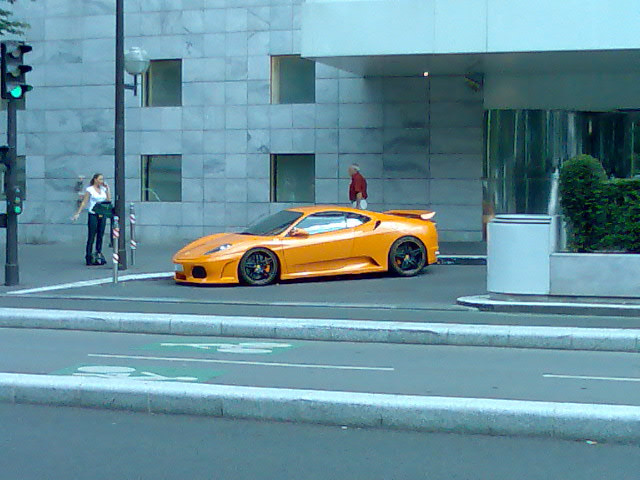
96	225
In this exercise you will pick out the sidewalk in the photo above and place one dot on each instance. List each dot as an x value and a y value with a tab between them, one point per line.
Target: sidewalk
56	263
62	263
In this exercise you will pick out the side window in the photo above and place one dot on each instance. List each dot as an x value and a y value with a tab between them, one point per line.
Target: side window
323	222
355	220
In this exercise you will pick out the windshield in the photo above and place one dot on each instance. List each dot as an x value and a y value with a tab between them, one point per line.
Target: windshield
273	224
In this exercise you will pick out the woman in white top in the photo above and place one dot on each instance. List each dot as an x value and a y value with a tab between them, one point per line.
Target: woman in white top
96	192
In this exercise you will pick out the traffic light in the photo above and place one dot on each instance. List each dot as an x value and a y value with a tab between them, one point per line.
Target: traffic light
14	71
4	155
14	201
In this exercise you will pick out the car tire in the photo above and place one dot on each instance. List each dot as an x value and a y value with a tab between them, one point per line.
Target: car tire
258	266
407	256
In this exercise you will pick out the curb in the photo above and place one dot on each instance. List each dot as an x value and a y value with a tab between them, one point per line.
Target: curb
488	304
462	260
613	423
559	338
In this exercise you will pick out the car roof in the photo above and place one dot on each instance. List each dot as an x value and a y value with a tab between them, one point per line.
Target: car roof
326	208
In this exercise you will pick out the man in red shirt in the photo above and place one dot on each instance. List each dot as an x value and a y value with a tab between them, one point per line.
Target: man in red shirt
357	188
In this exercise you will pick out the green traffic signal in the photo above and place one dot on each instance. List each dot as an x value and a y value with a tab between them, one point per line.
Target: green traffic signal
17	91
13	70
17	210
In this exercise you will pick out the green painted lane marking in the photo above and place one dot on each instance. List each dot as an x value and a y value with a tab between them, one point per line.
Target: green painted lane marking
140	373
205	345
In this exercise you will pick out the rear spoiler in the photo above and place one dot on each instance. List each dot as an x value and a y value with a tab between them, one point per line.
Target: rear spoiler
417	214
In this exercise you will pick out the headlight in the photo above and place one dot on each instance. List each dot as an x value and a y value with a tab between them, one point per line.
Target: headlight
177	267
218	249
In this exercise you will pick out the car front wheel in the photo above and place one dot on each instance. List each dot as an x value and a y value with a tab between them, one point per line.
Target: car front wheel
258	267
407	256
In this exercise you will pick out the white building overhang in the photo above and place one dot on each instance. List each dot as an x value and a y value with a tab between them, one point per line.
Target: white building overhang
532	54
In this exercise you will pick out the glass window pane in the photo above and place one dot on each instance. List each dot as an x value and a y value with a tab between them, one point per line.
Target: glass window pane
524	147
161	178
635	148
293	178
163	84
293	80
354	220
273	224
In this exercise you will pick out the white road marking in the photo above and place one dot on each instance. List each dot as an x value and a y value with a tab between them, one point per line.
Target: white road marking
241	362
243	347
90	283
585	377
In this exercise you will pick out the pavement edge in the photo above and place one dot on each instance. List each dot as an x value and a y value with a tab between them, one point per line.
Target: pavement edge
488	304
570	421
559	338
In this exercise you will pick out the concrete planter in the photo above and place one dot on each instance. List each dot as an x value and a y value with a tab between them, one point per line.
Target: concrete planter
595	274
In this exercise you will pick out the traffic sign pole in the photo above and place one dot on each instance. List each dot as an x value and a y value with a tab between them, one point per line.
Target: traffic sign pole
11	270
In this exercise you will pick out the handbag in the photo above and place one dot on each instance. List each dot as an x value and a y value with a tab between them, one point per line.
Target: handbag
104	209
97	258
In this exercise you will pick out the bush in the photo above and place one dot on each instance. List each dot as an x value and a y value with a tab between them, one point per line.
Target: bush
601	214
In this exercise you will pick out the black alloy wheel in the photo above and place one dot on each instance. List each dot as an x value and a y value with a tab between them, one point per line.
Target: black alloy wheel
407	256
258	267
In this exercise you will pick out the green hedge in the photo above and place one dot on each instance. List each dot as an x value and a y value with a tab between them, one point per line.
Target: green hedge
602	215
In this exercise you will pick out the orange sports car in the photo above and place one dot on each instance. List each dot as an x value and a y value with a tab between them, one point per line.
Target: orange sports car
312	241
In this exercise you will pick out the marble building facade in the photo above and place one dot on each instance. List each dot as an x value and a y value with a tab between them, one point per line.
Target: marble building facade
418	140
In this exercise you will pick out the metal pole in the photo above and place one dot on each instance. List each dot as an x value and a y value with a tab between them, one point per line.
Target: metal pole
11	272
116	234
132	223
119	131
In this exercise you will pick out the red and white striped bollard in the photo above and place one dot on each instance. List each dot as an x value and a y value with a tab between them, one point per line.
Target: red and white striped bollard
132	242
116	257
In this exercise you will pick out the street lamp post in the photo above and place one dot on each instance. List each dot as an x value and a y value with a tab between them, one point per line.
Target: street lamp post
119	132
136	62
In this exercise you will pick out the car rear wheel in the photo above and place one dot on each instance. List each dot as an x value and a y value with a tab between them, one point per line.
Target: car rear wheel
258	267
407	256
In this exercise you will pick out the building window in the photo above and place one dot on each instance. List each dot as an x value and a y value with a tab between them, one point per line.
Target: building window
21	177
293	178
162	84
293	80
161	178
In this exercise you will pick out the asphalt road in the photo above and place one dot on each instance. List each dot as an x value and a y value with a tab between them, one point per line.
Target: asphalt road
49	443
475	372
429	297
438	285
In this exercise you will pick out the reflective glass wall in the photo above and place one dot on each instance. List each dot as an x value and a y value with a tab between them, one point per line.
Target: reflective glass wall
524	147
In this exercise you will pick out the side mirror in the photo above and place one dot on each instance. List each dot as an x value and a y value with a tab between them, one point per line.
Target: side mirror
298	232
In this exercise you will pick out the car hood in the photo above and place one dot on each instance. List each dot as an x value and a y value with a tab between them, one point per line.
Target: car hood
205	244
